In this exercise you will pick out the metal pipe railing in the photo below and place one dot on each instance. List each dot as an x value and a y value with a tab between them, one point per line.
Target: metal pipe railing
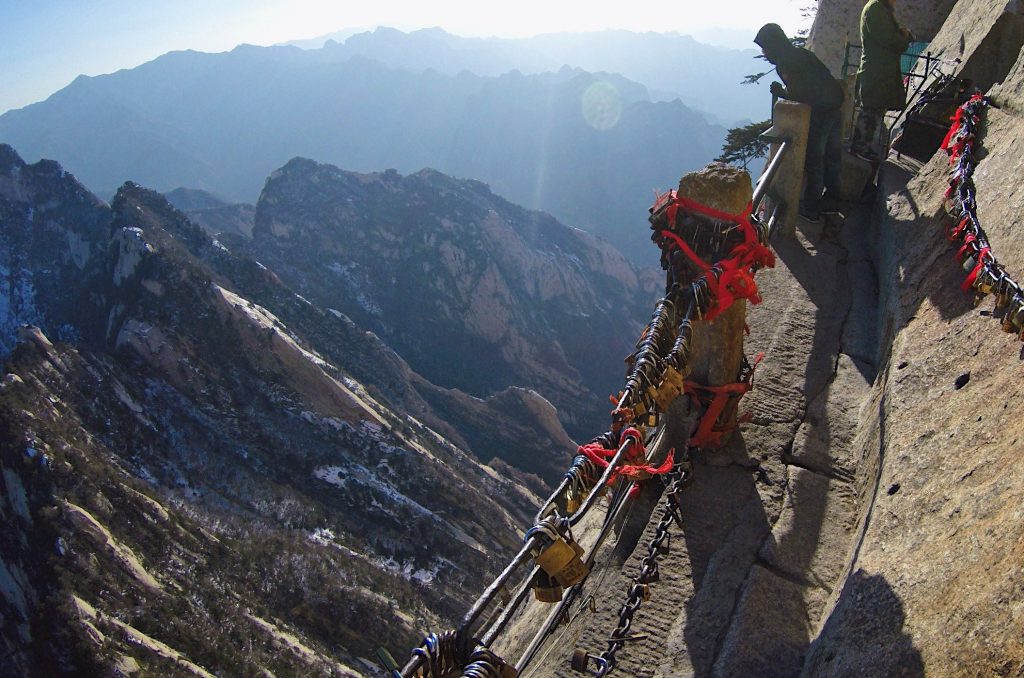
570	594
764	182
517	600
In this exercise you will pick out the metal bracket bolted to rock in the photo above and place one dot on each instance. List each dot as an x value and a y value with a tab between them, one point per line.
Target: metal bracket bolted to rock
718	345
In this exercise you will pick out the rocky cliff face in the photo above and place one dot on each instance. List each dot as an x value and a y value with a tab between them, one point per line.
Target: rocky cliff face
184	460
474	292
935	571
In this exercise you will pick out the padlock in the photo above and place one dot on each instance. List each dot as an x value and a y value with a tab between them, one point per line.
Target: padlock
1011	312
572	503
545	589
580	660
985	282
1004	294
562	560
652	577
671	387
970	261
664	546
645	592
1017	315
1007	324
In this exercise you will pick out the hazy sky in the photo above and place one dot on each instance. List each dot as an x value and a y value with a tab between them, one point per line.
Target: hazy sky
45	44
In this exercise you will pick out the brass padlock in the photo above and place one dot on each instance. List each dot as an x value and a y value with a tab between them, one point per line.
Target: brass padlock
1017	316
563	561
572	503
580	660
671	388
645	592
545	589
1004	297
985	282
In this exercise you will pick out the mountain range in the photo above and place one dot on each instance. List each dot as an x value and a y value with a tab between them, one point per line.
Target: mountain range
704	77
589	147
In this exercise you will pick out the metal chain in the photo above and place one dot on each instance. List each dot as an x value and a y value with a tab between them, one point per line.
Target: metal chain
483	664
677	478
441	653
977	259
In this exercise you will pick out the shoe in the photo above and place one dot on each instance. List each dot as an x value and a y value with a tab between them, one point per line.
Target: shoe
865	154
808	215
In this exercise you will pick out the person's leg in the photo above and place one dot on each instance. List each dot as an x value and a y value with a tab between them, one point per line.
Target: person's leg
833	156
814	164
865	129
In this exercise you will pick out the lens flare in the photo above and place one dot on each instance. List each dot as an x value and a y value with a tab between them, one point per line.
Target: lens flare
601	105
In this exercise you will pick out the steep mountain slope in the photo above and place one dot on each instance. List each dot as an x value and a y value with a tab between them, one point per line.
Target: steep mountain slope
190	484
222	122
476	293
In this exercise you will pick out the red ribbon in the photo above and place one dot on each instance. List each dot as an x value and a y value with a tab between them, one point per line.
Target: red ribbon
706	434
735	277
634	469
969	283
955	233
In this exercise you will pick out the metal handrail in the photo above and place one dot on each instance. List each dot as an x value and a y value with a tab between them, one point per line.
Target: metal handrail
765	180
570	593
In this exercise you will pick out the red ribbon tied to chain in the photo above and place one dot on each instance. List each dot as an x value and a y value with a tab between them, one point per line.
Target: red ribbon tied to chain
732	277
634	467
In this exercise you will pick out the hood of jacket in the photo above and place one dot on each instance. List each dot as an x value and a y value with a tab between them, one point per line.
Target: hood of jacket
773	41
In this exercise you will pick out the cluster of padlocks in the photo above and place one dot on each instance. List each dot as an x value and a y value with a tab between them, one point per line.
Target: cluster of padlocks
985	275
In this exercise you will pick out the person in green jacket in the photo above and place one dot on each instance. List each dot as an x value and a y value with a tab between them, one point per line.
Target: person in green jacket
879	79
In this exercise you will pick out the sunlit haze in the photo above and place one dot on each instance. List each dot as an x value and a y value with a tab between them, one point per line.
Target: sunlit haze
45	44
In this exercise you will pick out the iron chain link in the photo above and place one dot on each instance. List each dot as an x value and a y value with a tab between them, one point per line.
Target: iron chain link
676	479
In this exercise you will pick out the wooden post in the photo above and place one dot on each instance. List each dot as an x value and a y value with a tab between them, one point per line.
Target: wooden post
718	345
790	121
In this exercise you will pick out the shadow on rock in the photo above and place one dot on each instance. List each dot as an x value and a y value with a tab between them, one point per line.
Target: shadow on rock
864	635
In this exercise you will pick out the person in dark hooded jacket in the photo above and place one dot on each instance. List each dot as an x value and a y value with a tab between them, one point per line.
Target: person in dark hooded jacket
879	79
807	80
